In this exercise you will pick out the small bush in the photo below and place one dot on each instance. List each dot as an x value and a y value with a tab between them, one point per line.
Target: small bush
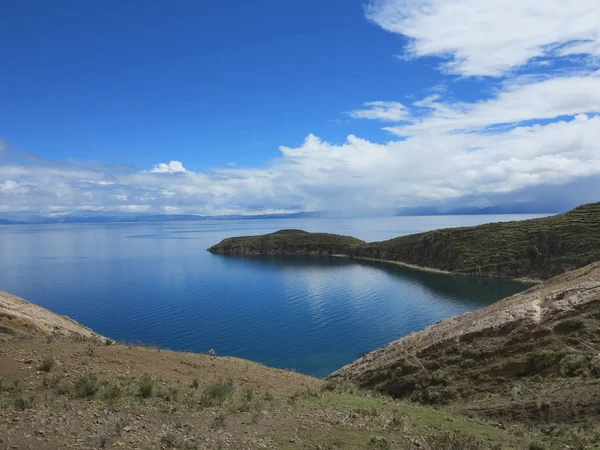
146	386
63	387
170	440
219	421
86	386
47	364
439	377
396	422
540	361
23	402
379	443
573	365
216	394
111	392
537	445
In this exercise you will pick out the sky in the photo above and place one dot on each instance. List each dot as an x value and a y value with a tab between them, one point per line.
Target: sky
270	106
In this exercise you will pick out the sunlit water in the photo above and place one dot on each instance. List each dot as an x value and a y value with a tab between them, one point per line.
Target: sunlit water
156	283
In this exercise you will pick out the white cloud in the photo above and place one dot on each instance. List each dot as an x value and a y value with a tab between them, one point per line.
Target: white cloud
490	38
547	99
172	167
384	111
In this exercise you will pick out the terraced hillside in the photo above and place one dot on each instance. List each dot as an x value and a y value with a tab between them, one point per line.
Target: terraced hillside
535	249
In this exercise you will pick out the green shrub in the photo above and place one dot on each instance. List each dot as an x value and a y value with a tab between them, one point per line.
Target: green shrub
573	365
541	360
379	443
219	421
111	392
216	394
537	445
86	386
47	364
63	387
146	386
170	440
23	402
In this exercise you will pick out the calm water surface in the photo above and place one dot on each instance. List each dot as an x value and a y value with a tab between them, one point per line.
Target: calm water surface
156	283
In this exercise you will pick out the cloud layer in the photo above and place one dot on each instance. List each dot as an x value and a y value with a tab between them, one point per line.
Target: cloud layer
532	133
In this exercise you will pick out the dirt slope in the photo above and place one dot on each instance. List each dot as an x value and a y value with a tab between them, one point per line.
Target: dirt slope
18	316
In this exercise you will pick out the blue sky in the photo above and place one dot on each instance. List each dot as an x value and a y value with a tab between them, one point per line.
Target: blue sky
282	106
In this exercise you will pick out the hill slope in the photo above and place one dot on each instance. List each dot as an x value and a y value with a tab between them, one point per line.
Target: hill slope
536	249
534	356
69	391
286	242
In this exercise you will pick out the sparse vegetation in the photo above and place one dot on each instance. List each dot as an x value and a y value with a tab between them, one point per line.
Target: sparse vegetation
47	364
146	386
215	394
573	365
86	386
219	421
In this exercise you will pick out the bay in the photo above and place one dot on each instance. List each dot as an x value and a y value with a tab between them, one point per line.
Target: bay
155	283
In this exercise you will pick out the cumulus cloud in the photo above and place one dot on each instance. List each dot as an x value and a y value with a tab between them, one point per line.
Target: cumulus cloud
385	111
172	167
490	38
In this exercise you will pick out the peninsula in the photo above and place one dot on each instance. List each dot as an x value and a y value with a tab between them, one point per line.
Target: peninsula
535	249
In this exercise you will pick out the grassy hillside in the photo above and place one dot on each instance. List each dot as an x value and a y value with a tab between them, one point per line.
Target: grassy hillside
286	242
538	248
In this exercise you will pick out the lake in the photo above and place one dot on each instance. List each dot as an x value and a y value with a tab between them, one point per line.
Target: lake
155	283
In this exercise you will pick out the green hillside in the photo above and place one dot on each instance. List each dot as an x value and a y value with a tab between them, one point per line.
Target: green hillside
286	242
537	248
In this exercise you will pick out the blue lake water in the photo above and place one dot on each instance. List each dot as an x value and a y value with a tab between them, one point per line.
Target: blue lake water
156	283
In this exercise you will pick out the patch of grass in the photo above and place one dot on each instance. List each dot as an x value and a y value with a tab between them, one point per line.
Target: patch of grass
216	394
146	386
48	364
86	386
537	445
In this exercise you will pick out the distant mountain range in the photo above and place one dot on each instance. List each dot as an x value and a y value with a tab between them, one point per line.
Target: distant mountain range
512	208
